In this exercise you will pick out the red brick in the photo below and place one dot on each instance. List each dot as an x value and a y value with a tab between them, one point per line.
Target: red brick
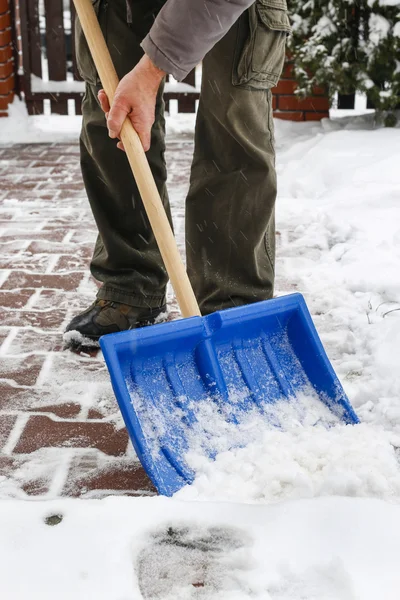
30	485
51	319
79	367
5	20
11	246
6	424
72	263
60	184
4	6
87	476
43	432
289	55
44	246
36	487
274	102
7	85
16	234
287	72
3	335
290	116
34	400
318	103
71	195
316	116
8	464
24	371
95	414
13	300
34	264
90	352
66	222
7	216
319	91
6	69
25	184
6	100
23	152
20	280
5	37
58	154
6	53
285	86
54	300
12	398
30	341
68	410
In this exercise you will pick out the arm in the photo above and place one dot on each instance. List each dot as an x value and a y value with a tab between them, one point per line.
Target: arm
182	34
185	30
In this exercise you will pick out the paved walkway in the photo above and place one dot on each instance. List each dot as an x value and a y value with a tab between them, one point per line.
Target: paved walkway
61	433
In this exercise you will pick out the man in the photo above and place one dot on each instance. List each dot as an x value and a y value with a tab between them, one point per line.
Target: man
230	234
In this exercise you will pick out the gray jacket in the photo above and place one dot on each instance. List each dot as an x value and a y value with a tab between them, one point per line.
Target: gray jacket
185	30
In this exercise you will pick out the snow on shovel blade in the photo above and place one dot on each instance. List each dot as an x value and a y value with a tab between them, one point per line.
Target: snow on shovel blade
238	361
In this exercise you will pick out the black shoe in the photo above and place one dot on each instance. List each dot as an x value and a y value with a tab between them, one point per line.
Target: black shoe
104	317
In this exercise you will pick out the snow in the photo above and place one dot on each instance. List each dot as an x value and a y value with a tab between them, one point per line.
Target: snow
308	513
20	128
75	338
124	549
379	29
340	246
302	462
384	2
43	84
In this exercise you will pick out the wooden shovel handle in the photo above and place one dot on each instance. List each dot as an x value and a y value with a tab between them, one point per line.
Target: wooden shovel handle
139	165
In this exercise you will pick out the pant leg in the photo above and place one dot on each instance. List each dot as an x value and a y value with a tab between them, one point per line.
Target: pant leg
230	227
126	258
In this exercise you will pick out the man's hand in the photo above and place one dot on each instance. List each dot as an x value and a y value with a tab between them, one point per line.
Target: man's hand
135	97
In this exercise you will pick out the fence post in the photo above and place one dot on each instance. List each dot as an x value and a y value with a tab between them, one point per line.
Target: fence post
7	63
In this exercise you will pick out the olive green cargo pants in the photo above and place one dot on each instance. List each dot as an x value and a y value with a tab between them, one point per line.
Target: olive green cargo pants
230	234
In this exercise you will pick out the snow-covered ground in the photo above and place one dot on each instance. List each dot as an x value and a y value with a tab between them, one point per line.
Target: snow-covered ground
160	549
20	128
304	515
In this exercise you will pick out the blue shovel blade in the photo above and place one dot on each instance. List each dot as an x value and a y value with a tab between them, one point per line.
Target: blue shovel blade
264	352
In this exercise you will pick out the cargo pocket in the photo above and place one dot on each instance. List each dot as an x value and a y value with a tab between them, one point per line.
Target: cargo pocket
84	61
260	51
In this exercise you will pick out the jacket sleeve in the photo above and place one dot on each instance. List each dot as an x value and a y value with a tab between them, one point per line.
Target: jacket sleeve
185	30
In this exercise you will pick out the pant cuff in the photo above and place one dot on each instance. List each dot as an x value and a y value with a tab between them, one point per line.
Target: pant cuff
112	294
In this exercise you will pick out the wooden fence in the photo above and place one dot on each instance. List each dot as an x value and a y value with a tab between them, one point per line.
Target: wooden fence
49	77
50	81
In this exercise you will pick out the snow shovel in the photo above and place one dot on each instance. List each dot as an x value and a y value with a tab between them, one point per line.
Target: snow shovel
241	360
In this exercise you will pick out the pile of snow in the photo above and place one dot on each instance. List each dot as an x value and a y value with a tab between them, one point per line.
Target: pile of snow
303	462
20	128
339	220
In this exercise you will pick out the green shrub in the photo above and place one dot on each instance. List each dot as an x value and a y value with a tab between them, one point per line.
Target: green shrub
347	46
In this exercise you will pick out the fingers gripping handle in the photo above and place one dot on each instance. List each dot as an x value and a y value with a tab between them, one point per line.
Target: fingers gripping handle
139	165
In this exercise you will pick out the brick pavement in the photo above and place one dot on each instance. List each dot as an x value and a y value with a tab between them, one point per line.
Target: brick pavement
61	433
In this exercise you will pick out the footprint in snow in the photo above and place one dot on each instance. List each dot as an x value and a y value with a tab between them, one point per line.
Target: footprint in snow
185	563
